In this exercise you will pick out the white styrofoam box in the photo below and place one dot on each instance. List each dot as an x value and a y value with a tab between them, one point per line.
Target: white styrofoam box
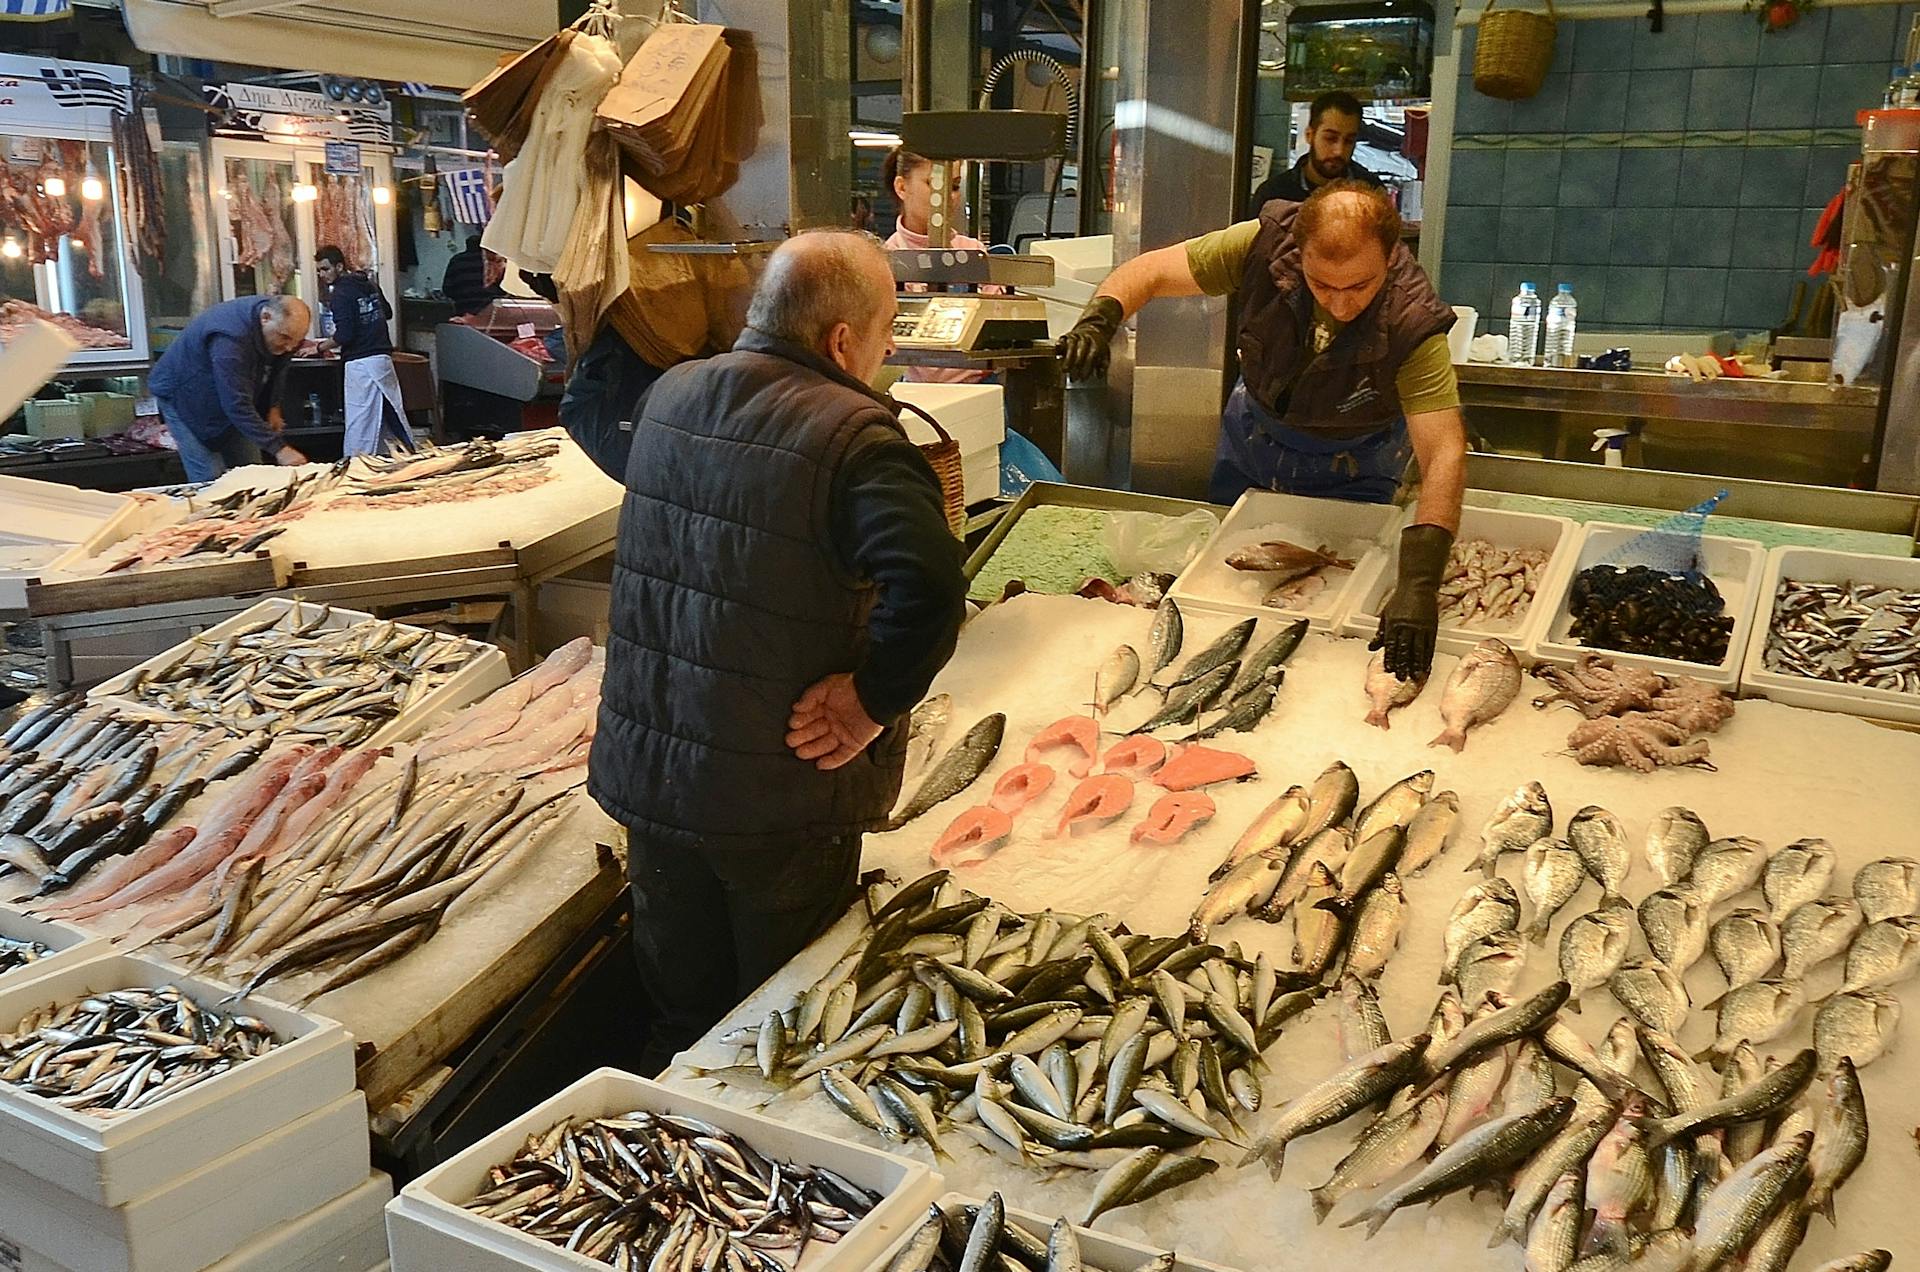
1084	260
485	670
1505	529
68	943
1356	531
1099	1251
1736	566
429	1230
1821	565
348	1234
112	1161
43	523
980	476
205	1216
974	414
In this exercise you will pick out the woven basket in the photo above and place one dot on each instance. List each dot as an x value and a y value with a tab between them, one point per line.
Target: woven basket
944	458
1515	49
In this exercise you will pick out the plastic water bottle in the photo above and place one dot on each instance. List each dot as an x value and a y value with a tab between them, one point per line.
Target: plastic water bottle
1560	315
1896	80
1523	327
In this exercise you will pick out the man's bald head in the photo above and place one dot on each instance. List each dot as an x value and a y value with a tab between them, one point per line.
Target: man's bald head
284	320
830	292
1342	218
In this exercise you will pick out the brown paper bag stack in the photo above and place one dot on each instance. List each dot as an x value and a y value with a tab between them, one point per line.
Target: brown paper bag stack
686	110
502	103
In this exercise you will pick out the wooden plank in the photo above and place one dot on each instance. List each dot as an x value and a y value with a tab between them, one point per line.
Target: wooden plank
571	546
483	989
304	575
239	577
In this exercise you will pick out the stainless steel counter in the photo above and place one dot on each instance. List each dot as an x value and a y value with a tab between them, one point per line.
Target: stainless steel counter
1651	395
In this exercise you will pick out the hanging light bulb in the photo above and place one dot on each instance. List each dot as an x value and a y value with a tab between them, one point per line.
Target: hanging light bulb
56	187
305	193
79	244
11	248
93	190
382	195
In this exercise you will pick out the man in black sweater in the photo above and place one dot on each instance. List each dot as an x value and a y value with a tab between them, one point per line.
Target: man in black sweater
1333	130
360	313
466	282
785	589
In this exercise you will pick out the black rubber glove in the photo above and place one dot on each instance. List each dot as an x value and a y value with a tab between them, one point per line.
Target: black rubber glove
1411	620
1087	348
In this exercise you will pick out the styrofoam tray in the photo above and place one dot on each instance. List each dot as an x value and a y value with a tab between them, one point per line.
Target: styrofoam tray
1821	565
1360	532
429	1231
203	1217
69	944
1736	566
485	670
974	415
1099	1251
43	523
111	1162
1504	529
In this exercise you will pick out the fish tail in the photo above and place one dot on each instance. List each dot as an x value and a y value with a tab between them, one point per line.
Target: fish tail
1821	1199
1375	1219
1573	1004
1608	1235
1454	738
1323	1203
1536	929
1378	719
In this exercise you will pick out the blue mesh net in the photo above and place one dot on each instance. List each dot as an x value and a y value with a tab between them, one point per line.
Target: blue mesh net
1673	546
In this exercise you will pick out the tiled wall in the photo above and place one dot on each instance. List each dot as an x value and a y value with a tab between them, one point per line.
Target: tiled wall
1673	179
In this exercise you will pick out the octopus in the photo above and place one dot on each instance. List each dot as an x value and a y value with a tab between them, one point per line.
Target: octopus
1692	705
1638	741
1597	688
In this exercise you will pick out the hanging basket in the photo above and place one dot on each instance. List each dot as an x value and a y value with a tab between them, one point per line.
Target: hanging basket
1514	50
943	457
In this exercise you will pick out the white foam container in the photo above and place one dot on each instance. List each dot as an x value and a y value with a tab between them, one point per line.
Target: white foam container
1100	1252
201	1218
429	1231
1554	535
1737	567
1821	565
484	671
1360	532
112	1162
43	523
69	944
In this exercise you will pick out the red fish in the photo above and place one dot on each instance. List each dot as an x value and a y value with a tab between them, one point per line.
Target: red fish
1134	757
973	837
1195	766
1094	803
1075	731
1020	786
1172	816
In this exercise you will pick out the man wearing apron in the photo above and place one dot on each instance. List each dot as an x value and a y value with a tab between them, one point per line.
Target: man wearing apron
1344	375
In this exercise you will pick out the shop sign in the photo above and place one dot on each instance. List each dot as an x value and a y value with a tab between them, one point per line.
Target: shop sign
257	110
50	94
297	101
343	159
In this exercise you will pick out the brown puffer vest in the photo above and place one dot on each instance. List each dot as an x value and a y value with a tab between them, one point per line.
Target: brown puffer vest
1347	390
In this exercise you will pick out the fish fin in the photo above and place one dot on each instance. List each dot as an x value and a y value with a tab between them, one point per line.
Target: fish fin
1536	931
1454	738
1824	1204
1607	1236
1378	719
1572	1004
1322	1204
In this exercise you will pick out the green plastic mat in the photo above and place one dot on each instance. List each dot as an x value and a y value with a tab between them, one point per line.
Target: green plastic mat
1052	549
1771	534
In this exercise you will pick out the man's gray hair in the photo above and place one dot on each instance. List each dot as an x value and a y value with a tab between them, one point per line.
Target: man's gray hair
814	281
289	311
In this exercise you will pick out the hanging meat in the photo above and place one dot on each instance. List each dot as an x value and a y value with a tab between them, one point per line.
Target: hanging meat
252	226
280	255
90	236
142	198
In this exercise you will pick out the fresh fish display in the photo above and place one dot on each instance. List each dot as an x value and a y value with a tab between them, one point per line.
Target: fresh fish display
1331	799
926	727
1839	1137
1173	817
1883	953
1518	822
1386	691
1816	932
1753	1102
1275	827
1620	1180
124	1050
1376	928
1135	757
1727	867
1733	1214
1553	874
1795	875
644	1189
479	469
233	525
1385	1149
1485	1152
1164	638
1847	633
1887	888
1566	1152
1674	923
1244	713
1674	838
1283	562
1859	1027
1329	848
961	1238
1652	993
1759	1012
1185	702
1224	651
972	837
1746	946
1601	841
1483	684
1078	733
1268	661
1594	946
1117	677
16	954
1429	832
958	769
1019	786
1492	963
1396	806
1485	908
295	679
1337	1098
1094	803
1488	586
1639	610
1193	767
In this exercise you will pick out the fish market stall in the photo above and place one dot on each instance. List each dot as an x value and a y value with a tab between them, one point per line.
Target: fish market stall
1797	805
482	519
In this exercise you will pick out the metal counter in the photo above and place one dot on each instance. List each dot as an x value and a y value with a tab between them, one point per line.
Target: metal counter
1655	395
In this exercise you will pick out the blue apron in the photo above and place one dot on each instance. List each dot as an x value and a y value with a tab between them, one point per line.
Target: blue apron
1257	450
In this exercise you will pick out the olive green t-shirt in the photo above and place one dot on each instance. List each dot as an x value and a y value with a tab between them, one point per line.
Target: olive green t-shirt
1425	380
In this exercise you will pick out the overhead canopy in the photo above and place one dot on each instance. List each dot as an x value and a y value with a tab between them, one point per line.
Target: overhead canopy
446	43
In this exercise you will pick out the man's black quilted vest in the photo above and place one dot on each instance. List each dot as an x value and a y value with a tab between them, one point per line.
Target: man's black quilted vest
729	600
1349	389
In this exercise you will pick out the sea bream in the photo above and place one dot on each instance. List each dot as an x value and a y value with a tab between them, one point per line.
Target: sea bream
1483	684
1386	691
1283	562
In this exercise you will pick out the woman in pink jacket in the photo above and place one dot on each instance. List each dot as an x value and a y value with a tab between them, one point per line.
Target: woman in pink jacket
910	177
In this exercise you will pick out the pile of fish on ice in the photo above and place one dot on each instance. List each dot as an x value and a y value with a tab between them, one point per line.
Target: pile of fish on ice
970	1238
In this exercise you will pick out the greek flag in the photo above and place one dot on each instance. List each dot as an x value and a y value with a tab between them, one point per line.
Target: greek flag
79	90
34	10
472	201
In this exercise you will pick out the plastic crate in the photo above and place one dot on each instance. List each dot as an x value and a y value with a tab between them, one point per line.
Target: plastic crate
106	412
200	1218
112	1162
486	670
1359	532
1556	535
56	417
1736	566
428	1229
1820	565
1099	1251
69	944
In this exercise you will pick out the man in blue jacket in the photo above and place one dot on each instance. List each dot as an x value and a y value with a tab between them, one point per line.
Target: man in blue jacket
360	312
219	383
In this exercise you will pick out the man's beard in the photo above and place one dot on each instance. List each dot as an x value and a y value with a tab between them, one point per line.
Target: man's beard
1330	169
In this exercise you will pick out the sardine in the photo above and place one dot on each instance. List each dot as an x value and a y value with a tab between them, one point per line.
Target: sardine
1224	651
